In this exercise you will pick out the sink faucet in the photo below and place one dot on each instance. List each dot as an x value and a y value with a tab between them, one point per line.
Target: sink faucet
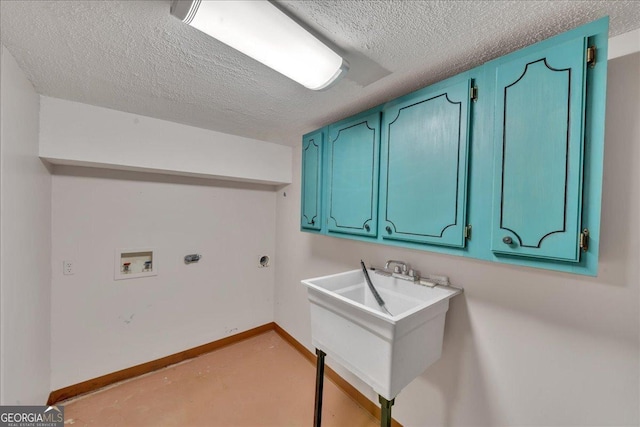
401	266
402	270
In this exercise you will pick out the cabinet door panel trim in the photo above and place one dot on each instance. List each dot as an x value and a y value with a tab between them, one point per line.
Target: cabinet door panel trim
504	148
312	220
455	216
373	172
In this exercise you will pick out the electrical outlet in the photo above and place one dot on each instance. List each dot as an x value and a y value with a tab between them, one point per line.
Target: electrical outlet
67	267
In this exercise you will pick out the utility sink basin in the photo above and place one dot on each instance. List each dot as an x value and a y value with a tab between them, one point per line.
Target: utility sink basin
385	351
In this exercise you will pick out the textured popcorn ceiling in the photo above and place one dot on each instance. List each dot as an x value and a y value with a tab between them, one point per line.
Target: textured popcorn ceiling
133	56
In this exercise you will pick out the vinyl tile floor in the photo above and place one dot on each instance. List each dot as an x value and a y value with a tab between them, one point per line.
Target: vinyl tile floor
261	381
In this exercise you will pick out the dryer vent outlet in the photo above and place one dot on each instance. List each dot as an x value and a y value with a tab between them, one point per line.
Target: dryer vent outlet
264	261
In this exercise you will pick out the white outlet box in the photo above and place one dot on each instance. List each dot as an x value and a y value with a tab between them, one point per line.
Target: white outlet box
67	268
135	263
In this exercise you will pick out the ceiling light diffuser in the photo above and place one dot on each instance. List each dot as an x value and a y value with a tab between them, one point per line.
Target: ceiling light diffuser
260	30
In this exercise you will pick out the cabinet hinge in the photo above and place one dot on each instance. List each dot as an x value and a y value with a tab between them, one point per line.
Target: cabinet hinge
474	93
591	56
467	232
584	240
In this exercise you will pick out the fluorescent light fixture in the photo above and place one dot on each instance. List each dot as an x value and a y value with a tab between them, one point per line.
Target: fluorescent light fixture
260	30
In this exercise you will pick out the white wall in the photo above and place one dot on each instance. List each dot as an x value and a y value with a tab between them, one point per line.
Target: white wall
100	325
522	346
78	134
25	251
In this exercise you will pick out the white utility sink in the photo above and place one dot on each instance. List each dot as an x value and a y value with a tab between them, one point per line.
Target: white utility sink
385	351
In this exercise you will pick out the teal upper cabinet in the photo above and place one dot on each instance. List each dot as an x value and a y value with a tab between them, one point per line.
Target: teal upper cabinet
352	154
521	162
423	182
539	134
311	212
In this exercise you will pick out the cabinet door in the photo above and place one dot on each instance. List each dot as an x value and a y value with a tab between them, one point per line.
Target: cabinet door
539	145
353	147
424	167
310	211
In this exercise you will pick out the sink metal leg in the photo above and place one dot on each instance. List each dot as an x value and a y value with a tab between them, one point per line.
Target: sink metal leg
317	412
385	406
